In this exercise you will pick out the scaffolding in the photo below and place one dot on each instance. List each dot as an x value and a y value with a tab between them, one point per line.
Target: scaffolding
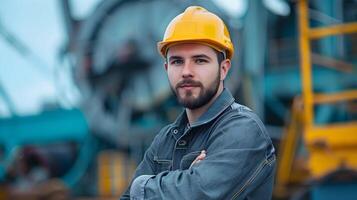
330	147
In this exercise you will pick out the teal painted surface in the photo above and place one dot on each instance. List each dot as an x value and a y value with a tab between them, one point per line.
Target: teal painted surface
49	126
345	191
45	128
287	83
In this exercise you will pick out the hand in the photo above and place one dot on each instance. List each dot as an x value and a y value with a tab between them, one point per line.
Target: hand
199	158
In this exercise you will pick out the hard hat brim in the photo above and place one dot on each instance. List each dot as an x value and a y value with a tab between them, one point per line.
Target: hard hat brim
163	47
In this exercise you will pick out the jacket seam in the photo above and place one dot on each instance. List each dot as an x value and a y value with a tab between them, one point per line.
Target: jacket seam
254	175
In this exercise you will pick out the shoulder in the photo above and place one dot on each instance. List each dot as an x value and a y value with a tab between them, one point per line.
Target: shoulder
159	139
245	115
165	131
163	134
238	124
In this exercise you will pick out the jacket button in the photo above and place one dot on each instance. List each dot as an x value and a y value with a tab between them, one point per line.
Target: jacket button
175	131
182	143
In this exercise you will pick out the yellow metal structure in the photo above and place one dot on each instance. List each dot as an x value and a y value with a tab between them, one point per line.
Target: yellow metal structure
329	147
114	169
289	171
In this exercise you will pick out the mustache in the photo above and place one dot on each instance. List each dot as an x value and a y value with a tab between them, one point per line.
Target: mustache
188	82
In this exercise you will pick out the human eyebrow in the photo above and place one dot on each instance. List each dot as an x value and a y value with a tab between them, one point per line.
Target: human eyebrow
174	58
201	56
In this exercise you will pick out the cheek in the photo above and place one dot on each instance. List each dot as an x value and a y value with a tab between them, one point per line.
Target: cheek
172	76
223	75
211	75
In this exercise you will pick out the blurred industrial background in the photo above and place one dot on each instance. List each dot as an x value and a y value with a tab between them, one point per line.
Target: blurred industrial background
83	91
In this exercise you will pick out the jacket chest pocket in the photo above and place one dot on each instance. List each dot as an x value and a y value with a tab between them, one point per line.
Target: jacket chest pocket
187	159
162	164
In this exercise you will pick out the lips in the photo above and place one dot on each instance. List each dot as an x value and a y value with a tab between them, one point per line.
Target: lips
188	84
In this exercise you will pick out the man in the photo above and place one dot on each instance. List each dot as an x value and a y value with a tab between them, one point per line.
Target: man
216	149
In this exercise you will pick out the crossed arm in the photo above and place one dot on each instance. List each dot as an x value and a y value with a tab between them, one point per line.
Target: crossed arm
234	163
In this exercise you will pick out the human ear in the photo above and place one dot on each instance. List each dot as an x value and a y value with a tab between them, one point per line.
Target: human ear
225	66
165	65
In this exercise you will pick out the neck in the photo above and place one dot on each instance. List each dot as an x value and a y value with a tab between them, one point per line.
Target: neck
194	114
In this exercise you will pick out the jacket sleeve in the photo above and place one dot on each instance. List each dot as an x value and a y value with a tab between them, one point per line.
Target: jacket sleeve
147	166
238	156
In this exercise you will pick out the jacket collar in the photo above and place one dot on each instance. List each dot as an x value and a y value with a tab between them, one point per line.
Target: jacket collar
224	100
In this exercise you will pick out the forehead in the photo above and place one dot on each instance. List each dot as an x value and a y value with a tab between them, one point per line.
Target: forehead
190	49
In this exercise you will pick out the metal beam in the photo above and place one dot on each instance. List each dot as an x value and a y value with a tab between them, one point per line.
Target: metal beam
305	62
347	28
335	97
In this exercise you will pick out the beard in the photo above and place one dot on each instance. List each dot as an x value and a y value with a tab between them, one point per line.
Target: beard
187	99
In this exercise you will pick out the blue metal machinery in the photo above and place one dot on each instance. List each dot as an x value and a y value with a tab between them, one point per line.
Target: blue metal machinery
282	76
125	100
47	128
308	161
119	72
116	107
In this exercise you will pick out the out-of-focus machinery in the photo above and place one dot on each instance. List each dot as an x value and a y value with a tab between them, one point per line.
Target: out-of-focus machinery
63	125
126	95
318	160
118	70
57	141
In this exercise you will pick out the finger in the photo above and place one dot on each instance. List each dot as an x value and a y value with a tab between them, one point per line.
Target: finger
201	156
196	159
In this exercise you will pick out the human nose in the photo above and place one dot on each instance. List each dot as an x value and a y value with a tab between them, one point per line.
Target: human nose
187	70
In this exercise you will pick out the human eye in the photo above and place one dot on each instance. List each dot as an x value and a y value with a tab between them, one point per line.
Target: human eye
201	61
176	62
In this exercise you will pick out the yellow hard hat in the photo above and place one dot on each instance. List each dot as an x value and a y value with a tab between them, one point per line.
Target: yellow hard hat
197	24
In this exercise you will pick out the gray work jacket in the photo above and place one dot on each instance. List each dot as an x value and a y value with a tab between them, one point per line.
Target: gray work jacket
239	162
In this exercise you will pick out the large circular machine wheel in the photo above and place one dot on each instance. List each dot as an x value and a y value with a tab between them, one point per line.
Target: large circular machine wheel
119	72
